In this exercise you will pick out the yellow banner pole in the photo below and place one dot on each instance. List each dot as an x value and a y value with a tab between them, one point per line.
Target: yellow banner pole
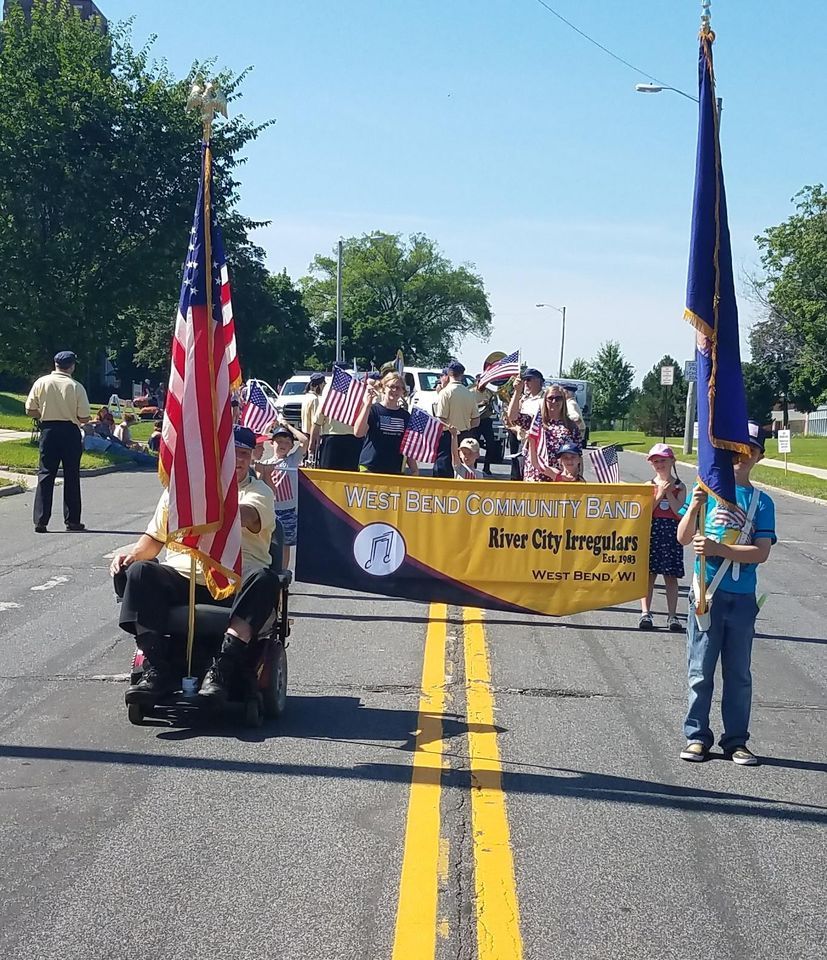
701	607
191	617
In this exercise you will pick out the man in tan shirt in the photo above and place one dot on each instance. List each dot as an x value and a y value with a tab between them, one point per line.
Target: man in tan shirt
60	403
456	407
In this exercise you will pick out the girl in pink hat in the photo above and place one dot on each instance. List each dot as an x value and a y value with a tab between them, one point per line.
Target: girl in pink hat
665	553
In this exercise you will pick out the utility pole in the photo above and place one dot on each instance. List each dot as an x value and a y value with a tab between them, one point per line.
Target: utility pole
339	301
562	341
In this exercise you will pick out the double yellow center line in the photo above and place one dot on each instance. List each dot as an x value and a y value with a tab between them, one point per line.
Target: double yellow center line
423	864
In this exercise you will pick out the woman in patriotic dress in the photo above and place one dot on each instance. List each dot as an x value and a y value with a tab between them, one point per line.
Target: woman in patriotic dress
550	430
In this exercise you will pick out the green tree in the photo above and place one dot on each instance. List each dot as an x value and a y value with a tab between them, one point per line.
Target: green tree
792	343
98	167
761	392
658	409
396	293
579	369
612	378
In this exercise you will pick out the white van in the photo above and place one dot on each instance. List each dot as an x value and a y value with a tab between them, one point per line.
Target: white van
292	396
421	384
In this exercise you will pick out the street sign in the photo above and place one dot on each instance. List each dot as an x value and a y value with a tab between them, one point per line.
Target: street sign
667	376
695	430
690	370
784	442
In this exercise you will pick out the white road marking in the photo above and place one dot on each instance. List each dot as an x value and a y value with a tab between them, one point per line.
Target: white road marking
51	584
8	605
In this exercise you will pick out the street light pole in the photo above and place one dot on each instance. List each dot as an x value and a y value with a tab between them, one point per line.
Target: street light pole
562	312
339	302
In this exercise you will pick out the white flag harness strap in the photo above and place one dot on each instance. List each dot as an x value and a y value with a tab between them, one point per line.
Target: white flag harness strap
743	537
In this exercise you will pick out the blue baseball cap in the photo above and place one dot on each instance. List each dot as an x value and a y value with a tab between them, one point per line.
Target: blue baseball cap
569	448
532	373
455	367
65	358
244	437
756	435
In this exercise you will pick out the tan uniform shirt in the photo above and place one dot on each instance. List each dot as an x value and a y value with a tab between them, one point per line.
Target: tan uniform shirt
310	405
57	396
255	547
331	428
457	406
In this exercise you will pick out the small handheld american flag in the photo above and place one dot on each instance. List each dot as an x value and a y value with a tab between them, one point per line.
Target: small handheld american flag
538	434
283	484
258	412
605	463
420	440
507	367
344	397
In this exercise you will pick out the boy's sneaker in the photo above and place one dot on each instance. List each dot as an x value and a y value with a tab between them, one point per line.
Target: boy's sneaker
646	622
743	757
696	752
674	625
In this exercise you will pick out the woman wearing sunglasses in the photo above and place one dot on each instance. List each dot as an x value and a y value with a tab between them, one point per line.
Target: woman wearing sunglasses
551	429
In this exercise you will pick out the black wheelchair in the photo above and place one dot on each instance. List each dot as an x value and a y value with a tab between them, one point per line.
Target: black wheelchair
264	699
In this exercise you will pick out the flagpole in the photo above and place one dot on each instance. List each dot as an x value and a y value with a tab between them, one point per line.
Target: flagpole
208	100
701	608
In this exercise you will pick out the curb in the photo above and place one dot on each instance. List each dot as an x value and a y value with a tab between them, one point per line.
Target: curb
761	486
89	472
11	490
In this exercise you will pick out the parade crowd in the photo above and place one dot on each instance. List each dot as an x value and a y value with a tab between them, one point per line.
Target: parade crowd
546	427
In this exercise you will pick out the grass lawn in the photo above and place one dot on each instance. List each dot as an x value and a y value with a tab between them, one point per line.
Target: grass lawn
5	483
772	476
22	455
13	413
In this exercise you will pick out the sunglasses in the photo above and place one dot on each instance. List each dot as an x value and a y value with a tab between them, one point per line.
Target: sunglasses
554	399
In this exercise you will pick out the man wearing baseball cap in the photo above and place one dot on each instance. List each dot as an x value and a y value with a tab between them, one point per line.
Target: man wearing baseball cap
456	407
312	400
526	400
60	403
727	631
150	590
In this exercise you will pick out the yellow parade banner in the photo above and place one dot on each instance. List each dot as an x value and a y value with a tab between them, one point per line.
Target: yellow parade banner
550	548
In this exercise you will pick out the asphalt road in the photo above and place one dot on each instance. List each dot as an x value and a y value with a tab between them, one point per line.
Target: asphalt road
158	842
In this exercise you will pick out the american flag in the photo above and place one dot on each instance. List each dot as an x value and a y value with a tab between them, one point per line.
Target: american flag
507	367
730	516
605	463
197	453
219	262
344	397
421	438
283	484
538	434
258	412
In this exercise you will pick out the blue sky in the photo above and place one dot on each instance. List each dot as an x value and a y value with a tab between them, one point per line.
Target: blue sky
514	143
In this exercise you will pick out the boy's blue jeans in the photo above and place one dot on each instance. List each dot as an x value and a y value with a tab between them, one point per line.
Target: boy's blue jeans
730	638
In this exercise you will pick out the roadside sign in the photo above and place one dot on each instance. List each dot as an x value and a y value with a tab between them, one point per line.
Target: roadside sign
667	376
690	370
695	430
784	442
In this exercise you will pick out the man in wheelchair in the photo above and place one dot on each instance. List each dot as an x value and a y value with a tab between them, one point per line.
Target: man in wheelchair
149	590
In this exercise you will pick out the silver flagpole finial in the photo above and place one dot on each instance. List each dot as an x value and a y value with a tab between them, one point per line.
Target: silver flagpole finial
208	101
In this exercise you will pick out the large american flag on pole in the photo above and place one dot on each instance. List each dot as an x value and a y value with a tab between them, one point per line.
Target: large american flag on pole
344	397
421	437
605	463
197	452
258	412
501	370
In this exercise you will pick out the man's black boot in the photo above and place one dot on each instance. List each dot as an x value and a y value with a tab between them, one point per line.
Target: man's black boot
156	679
225	670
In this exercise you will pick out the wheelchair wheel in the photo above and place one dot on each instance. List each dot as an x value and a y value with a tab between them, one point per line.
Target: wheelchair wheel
275	693
135	713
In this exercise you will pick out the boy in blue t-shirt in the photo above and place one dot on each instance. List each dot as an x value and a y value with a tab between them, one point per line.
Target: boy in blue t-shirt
732	613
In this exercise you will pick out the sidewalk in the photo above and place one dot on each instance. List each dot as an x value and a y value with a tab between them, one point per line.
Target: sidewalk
796	468
14	434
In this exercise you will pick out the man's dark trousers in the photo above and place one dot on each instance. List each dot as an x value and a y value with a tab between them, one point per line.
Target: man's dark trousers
60	444
485	434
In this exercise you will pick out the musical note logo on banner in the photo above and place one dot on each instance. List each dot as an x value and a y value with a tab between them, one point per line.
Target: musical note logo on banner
379	549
